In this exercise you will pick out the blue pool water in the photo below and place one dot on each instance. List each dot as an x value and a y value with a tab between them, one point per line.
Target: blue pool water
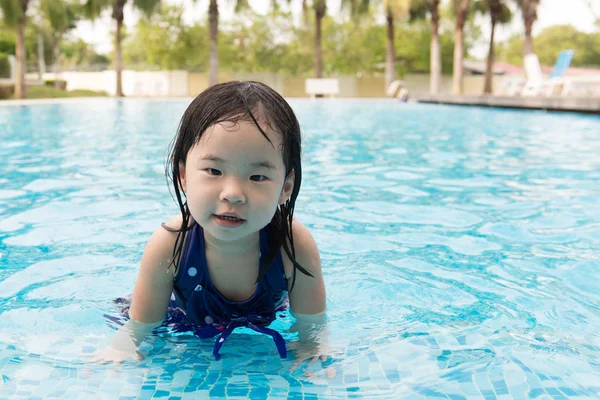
460	251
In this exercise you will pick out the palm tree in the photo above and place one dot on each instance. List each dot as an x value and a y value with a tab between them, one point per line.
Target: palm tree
394	10
461	8
418	9
320	8
59	16
499	14
213	29
94	8
15	15
529	12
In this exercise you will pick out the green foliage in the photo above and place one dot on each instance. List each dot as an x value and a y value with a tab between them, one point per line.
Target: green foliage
499	10
410	42
31	44
418	9
164	41
399	9
11	11
8	40
78	52
59	14
551	41
270	43
45	92
93	8
4	66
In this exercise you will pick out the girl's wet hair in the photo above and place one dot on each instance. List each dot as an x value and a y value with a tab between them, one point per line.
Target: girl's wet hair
234	102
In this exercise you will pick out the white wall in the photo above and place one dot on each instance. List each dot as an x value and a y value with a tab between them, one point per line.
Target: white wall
135	83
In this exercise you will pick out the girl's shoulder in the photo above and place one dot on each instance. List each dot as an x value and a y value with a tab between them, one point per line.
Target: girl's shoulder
159	249
305	247
173	225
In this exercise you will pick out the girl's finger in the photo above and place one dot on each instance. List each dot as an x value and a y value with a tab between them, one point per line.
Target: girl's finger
330	372
323	358
313	360
295	365
93	360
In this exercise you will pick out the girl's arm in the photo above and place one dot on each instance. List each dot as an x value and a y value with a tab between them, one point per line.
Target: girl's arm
307	300
308	295
154	283
151	297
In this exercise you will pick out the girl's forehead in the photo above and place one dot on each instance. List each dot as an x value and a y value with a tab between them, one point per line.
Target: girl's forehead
241	132
239	141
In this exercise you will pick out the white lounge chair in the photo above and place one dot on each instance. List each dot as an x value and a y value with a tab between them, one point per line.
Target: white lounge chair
536	83
318	86
392	90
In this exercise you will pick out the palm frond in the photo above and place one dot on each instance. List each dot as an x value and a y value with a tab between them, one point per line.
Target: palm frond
11	11
146	6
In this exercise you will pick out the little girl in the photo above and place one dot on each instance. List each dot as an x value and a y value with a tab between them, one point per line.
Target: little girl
235	252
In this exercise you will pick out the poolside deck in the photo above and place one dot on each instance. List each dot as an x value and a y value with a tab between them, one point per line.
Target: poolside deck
573	104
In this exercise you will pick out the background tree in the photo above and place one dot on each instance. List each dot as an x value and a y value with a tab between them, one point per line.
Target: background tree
15	16
418	10
94	8
163	41
499	14
270	43
461	11
529	14
394	10
213	23
551	41
59	17
213	28
320	8
76	52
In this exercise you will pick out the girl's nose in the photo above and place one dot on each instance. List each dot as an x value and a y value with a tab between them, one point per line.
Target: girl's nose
233	193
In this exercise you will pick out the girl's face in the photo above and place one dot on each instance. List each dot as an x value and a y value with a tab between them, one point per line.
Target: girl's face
234	179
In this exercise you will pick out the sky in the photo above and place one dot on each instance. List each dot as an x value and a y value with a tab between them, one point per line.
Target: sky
550	12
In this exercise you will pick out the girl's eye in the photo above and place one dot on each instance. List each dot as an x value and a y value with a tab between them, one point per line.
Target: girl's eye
258	178
212	171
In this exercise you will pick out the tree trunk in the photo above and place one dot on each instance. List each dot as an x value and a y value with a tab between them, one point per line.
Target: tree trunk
435	53
528	43
390	53
487	89
56	62
213	22
117	15
459	49
41	61
529	12
319	14
119	59
305	13
20	86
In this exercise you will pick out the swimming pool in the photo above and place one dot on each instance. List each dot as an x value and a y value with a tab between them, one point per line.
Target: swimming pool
460	251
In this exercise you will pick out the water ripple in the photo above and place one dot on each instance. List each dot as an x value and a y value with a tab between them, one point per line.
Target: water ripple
459	245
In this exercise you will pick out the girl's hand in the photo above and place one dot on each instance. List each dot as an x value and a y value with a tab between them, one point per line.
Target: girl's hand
112	355
313	353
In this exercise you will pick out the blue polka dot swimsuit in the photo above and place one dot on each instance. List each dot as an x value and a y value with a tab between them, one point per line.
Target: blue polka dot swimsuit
198	306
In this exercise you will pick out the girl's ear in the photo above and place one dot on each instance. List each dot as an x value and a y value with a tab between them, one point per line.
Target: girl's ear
288	187
182	176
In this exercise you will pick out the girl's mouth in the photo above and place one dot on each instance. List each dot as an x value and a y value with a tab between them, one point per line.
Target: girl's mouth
228	221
